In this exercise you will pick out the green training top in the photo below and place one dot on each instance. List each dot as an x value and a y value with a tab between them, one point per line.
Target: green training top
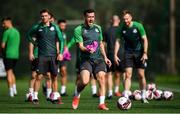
46	38
11	38
132	36
71	43
87	35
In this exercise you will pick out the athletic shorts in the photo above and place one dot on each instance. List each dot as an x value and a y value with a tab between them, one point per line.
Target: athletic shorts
93	66
47	64
133	59
62	63
9	63
114	67
34	65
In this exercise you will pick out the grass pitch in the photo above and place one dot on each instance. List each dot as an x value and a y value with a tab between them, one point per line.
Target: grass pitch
87	103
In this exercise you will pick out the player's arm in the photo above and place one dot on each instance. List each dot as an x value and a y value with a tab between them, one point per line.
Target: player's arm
145	42
102	48
116	49
71	43
4	40
31	51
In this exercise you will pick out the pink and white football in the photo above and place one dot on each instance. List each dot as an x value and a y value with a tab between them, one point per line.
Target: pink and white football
168	95
149	95
151	86
124	103
137	95
157	94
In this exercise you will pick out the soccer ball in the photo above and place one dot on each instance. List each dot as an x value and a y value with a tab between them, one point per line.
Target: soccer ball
168	95
137	95
149	95
151	86
157	94
124	103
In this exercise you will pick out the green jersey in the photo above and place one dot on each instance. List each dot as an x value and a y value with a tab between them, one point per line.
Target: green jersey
132	36
11	38
46	38
87	35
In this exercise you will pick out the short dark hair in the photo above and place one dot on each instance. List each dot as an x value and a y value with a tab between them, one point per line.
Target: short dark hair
126	12
6	19
61	21
88	11
44	11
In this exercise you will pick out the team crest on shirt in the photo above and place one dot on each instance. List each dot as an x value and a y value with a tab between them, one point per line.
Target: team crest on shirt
96	30
135	31
124	31
34	38
52	28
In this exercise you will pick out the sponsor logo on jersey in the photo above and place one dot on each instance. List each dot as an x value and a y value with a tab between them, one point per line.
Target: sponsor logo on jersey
52	28
135	31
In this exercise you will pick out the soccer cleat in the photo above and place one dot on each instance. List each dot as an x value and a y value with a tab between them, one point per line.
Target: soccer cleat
118	94
57	101
144	101
102	107
35	101
109	97
95	95
64	94
75	102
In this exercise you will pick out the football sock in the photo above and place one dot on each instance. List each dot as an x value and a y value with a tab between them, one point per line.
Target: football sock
101	99
94	89
31	90
76	93
48	92
143	93
63	89
116	89
14	89
110	92
11	93
35	95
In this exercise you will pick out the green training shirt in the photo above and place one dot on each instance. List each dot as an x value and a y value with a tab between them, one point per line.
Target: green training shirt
87	35
11	37
46	38
131	36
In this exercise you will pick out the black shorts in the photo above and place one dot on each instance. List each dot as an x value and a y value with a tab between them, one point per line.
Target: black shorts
133	59
115	67
34	65
9	63
47	64
93	66
62	63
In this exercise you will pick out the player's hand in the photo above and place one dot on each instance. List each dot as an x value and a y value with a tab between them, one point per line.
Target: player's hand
116	59
144	57
108	62
31	57
59	57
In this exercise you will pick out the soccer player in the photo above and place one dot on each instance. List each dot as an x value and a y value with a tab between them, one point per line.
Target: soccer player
47	34
10	47
92	60
133	35
110	40
62	65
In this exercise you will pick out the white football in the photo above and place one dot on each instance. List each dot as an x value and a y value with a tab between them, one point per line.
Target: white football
149	95
137	95
157	94
168	95
151	86
124	103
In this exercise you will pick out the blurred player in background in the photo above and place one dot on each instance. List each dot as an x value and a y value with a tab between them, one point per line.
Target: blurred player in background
10	49
116	70
135	41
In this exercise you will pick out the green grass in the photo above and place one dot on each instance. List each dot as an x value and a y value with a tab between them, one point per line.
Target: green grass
87	103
